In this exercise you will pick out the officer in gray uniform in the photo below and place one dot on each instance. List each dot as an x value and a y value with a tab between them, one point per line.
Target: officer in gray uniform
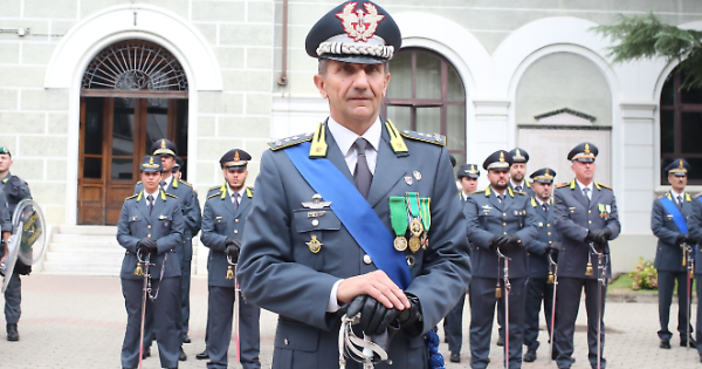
224	217
467	175
301	256
15	190
540	286
695	236
585	212
518	170
498	218
673	207
168	151
151	223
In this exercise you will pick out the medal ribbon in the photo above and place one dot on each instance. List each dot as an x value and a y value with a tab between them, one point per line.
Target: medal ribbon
413	204
398	215
425	211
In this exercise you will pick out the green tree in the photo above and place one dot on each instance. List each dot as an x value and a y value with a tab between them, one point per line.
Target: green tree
646	37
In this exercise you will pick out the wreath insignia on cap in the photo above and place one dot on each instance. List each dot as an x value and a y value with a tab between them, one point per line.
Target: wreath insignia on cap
360	26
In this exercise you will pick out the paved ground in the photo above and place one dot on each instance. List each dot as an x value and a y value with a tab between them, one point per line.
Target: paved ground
78	322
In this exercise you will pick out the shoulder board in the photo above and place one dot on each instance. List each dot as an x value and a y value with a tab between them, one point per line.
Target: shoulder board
564	184
138	182
185	183
533	203
214	188
476	192
214	195
290	141
520	193
171	195
661	196
249	191
435	138
132	197
697	196
605	186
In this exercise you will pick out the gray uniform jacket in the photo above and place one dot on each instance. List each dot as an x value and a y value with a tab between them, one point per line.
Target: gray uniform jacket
668	255
486	218
526	188
573	219
694	225
16	190
280	273
5	216
165	225
191	213
538	260
220	220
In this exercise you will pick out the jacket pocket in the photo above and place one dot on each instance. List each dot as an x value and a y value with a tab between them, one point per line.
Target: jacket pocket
317	239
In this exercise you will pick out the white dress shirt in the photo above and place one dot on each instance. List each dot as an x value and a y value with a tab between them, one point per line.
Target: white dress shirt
153	195
675	196
240	192
168	181
582	187
345	138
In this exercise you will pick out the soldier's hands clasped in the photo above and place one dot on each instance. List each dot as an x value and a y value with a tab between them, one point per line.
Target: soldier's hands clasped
147	245
600	236
375	317
233	248
682	239
552	250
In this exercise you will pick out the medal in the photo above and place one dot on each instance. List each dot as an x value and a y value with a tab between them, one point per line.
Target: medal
314	244
400	243
399	221
425	241
413	209
425	216
414	243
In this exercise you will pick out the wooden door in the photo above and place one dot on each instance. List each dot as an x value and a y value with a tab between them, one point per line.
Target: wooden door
116	132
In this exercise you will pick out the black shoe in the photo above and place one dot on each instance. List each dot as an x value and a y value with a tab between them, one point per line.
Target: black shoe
203	355
186	339
530	356
683	342
665	344
12	334
146	353
501	341
455	357
445	339
700	358
182	356
554	354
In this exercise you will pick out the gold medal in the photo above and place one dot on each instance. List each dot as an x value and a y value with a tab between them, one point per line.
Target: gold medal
314	244
400	243
416	227
414	243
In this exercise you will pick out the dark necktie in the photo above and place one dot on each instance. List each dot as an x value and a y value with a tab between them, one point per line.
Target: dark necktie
680	201
545	206
501	198
235	200
362	175
150	203
162	185
518	188
586	192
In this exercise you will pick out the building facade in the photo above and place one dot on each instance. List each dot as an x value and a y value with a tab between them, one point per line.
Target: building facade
86	85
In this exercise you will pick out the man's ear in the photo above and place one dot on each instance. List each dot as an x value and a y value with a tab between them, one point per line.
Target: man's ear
320	83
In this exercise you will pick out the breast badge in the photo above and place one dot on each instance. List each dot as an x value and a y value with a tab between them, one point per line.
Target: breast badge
314	244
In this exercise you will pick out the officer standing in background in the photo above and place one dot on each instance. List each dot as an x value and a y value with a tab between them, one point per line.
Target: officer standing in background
467	175
176	171
15	190
585	212
167	151
518	170
540	288
669	223
695	236
224	217
498	218
151	223
356	213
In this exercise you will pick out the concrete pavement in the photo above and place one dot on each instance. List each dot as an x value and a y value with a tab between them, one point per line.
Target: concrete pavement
78	322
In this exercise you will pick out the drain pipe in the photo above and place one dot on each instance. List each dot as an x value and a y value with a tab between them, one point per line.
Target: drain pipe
283	78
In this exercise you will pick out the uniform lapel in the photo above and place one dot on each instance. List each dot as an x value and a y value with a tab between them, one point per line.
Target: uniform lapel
141	205
228	204
595	195
495	202
335	155
245	202
159	204
391	167
578	194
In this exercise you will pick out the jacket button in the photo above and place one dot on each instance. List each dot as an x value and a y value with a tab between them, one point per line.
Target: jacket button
236	220
367	259
504	214
504	232
148	235
149	226
285	341
589	222
548	224
589	211
236	231
315	222
550	242
548	234
504	224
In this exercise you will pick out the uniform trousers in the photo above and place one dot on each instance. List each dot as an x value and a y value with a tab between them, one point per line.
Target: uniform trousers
482	300
666	285
568	303
13	299
164	320
185	269
538	290
453	326
220	306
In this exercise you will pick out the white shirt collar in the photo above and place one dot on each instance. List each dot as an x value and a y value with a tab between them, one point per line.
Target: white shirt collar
465	195
582	186
514	185
240	192
345	138
168	180
155	194
675	194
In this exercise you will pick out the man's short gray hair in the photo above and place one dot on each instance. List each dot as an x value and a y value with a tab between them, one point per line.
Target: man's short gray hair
323	63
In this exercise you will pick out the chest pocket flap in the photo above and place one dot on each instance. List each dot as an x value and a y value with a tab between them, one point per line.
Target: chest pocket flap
308	220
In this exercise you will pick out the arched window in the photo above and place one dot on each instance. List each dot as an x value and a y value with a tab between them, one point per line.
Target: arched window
681	127
426	94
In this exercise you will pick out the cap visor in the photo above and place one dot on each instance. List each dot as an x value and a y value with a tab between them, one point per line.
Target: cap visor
358	59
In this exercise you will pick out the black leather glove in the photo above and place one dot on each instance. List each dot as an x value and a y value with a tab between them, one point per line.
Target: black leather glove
495	242
600	236
411	319
552	250
682	238
147	245
233	248
513	240
375	317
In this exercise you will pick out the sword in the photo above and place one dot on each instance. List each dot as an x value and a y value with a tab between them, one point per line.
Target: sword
603	282
237	295
147	292
553	304
508	288
688	254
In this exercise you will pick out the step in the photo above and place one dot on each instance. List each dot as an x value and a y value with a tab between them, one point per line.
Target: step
110	269
85	258
76	239
88	230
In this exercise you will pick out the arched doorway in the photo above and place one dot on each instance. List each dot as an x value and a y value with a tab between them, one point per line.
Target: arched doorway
426	94
134	92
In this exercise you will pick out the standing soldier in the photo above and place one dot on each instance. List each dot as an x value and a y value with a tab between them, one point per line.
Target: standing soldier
151	223
546	244
467	175
669	223
224	217
499	220
518	170
695	228
355	213
183	191
585	213
15	190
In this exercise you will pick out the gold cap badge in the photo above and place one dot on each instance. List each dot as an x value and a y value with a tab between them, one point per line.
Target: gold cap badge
163	144
587	148
502	157
681	164
236	156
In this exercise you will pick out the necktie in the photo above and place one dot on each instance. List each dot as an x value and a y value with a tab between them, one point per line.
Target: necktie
586	192
150	203
501	198
545	206
235	200
680	201
162	185
362	175
518	188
